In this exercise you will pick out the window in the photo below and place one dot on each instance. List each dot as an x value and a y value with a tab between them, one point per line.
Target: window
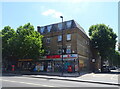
42	29
88	43
68	36
48	40
49	28
60	26
60	38
68	49
69	24
87	50
47	52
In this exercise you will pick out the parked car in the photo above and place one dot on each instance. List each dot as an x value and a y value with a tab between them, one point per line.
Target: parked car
106	69
113	68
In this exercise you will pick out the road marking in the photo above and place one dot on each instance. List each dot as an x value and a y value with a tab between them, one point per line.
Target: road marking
98	75
28	83
23	77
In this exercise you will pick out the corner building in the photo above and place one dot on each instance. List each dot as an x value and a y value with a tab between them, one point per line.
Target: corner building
77	53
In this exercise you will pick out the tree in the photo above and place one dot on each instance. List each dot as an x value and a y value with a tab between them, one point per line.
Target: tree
24	43
119	46
103	39
7	35
29	42
114	58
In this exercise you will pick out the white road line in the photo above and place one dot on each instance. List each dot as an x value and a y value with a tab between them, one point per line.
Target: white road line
28	83
34	79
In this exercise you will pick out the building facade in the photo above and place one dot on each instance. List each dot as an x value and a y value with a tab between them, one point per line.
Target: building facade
70	36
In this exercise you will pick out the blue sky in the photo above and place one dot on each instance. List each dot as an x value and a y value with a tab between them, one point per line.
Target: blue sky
86	14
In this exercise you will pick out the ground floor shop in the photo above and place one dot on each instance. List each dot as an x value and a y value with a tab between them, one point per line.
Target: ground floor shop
69	64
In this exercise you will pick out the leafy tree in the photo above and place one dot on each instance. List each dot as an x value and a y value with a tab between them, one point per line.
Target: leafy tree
29	42
24	43
119	46
7	35
103	39
114	58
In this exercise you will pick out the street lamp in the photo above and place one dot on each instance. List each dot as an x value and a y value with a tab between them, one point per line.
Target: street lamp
93	61
62	44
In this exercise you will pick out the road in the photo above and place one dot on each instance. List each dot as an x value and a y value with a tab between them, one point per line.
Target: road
22	81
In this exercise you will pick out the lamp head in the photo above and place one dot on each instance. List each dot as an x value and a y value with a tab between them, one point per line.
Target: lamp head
61	16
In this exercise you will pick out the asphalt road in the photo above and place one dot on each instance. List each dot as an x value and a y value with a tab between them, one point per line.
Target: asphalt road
20	81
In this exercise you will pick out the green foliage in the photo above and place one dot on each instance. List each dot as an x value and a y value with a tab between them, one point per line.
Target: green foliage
8	34
24	43
116	58
113	57
119	46
103	39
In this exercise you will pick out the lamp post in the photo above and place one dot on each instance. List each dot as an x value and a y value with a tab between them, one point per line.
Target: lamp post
62	44
93	61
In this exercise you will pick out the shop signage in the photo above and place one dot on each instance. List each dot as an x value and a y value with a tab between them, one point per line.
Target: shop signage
72	56
64	56
53	56
25	59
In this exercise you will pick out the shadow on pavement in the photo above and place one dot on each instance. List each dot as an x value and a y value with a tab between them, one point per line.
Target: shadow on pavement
43	73
107	72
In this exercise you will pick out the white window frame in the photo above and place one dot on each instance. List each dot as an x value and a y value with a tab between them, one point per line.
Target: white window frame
68	50
49	28
59	38
42	29
69	36
69	23
60	26
48	40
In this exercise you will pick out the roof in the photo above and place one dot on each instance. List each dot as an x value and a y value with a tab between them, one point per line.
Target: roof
78	26
55	27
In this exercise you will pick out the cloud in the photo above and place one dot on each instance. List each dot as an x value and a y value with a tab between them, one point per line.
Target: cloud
52	13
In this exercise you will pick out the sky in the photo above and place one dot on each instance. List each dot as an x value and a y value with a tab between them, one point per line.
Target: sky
85	13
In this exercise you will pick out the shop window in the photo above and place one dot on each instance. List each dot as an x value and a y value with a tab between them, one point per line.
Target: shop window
60	26
48	40
49	68
69	24
42	29
68	37
49	28
60	38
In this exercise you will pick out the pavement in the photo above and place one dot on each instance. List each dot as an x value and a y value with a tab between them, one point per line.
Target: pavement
100	78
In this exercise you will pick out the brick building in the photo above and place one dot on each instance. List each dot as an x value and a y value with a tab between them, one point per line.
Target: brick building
77	53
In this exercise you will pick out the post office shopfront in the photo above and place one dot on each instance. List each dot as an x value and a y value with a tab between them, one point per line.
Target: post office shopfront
70	64
56	64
